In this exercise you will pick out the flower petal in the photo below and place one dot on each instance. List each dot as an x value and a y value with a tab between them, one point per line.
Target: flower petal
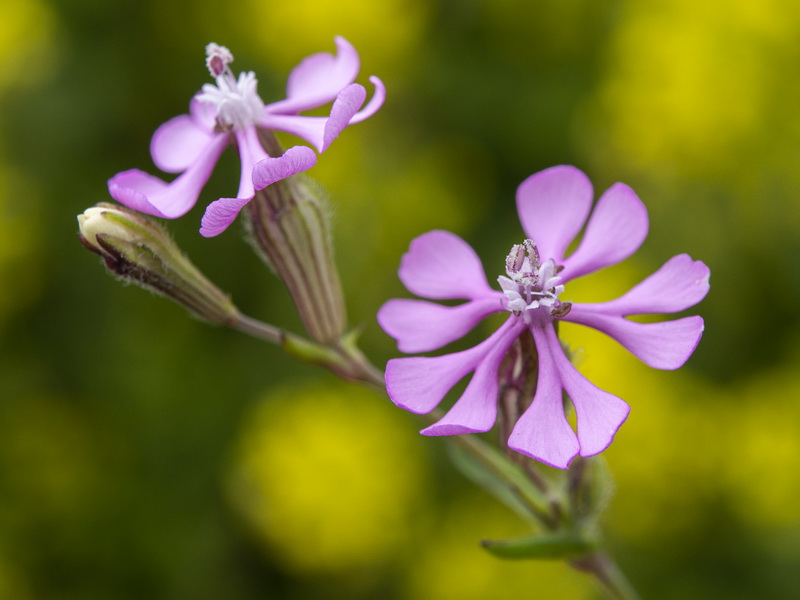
318	79
310	129
600	414
476	409
251	153
321	131
418	383
178	143
374	103
421	326
665	345
255	175
553	205
344	107
616	229
542	432
441	266
680	283
295	160
151	195
220	214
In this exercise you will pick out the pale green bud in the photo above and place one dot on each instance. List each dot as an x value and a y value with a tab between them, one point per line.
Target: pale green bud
137	249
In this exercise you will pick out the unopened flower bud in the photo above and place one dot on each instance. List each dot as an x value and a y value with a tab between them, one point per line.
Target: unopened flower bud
137	249
290	227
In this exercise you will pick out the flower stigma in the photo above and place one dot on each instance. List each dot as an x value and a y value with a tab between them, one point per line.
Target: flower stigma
531	283
236	101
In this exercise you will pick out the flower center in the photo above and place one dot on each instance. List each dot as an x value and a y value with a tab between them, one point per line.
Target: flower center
237	102
532	284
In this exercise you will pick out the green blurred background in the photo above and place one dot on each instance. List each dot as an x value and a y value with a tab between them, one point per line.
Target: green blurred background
144	454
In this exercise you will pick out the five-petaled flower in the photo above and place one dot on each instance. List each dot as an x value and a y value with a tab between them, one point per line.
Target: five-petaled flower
553	206
232	113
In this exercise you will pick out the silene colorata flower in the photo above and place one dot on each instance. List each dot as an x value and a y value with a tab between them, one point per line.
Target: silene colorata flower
231	113
553	206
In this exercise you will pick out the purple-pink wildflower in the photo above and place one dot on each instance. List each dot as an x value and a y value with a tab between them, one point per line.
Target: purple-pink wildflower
232	113
553	206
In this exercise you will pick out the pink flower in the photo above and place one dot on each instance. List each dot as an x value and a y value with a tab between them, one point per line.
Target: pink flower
232	113
553	206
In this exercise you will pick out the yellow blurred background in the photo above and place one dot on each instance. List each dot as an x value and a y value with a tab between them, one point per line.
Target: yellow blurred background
146	455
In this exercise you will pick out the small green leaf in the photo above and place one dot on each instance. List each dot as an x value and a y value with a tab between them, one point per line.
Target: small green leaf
555	546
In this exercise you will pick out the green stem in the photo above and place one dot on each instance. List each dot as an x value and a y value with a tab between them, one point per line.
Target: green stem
343	358
257	329
609	576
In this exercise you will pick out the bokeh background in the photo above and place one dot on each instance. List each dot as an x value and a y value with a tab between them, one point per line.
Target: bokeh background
144	454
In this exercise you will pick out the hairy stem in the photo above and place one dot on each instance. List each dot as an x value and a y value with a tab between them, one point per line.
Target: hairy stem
606	572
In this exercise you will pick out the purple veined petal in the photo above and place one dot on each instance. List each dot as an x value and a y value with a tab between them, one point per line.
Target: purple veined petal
318	79
295	160
151	195
666	345
617	227
421	326
220	214
441	266
553	205
476	409
374	103
543	432
600	414
344	108
178	143
680	283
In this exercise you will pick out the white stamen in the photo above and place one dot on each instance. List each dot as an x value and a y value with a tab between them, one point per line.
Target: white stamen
237	102
531	284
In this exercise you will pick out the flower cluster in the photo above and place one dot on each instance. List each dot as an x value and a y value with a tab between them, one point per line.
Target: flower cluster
232	113
553	207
